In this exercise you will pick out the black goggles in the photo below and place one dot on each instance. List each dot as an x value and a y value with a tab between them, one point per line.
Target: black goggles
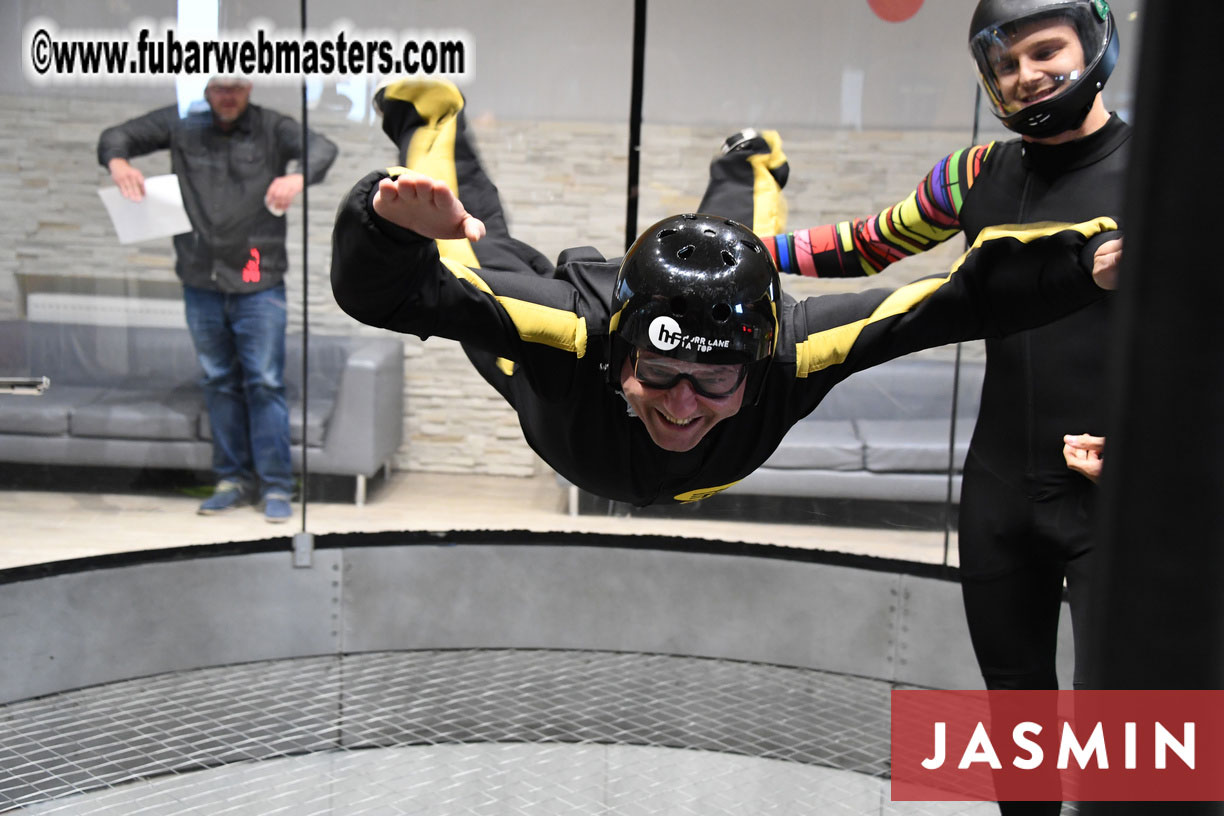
708	379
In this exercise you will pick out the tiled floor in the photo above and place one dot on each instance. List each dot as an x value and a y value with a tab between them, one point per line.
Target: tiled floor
40	523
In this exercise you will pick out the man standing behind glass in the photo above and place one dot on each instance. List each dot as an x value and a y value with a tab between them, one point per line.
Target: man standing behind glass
232	165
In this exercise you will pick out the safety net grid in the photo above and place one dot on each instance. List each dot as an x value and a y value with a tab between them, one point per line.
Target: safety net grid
459	732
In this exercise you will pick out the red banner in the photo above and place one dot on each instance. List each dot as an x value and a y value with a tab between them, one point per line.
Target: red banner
1074	746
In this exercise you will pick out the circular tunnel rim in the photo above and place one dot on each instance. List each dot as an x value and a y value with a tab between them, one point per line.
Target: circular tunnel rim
694	545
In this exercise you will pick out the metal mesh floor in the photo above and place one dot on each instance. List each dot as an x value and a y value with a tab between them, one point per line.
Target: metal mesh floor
456	733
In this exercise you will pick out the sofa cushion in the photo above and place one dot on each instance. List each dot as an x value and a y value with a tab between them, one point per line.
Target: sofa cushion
858	484
318	413
46	414
819	444
913	445
125	413
109	355
905	388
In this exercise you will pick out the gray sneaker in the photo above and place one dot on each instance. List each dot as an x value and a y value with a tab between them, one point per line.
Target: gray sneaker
227	495
276	507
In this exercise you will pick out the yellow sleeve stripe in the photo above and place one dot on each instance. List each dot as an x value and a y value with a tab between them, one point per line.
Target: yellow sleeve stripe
832	346
535	323
556	328
901	240
910	217
464	274
1025	233
459	249
847	240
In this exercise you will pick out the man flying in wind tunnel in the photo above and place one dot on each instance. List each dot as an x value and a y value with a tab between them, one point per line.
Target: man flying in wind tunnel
672	374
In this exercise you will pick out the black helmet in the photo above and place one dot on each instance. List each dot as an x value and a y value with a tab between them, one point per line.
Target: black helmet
699	288
996	22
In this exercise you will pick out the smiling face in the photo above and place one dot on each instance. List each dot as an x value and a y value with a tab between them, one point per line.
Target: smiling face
677	418
1038	62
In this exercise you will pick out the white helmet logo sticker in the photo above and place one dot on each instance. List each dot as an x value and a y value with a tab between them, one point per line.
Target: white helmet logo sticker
665	333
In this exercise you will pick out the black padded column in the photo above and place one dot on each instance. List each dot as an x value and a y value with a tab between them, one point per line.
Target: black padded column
1158	622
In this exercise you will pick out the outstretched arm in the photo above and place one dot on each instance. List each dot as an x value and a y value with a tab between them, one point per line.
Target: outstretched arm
426	206
135	137
865	246
1015	278
387	272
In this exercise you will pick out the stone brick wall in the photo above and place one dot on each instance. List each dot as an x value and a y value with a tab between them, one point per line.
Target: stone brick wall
562	183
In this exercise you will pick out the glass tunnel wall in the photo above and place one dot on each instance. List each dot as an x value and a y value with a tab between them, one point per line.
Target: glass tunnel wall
864	106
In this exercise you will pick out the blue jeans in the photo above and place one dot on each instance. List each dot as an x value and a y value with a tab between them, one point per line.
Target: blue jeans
240	342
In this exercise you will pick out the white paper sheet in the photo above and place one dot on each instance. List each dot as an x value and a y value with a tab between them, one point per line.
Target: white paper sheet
158	215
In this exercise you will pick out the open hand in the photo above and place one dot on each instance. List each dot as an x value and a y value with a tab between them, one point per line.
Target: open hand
426	206
127	178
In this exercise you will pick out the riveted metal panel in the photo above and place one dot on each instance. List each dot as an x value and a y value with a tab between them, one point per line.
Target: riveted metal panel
81	628
763	609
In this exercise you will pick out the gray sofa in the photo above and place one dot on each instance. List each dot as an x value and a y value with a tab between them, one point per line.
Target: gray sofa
130	397
881	435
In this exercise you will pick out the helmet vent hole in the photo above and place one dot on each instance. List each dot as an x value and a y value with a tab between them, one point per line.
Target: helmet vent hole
721	312
666	233
678	306
750	245
709	232
685	252
728	258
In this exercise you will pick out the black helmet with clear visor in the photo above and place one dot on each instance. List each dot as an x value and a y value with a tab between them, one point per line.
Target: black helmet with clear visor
696	289
1000	29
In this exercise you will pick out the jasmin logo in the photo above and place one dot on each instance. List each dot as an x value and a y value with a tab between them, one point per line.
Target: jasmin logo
1079	746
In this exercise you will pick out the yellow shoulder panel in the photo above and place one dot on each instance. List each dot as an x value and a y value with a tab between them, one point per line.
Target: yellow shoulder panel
535	323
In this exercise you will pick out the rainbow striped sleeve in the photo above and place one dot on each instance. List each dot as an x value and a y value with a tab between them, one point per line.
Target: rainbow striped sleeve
864	246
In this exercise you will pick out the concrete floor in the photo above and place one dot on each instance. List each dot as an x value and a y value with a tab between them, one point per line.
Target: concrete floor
42	523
